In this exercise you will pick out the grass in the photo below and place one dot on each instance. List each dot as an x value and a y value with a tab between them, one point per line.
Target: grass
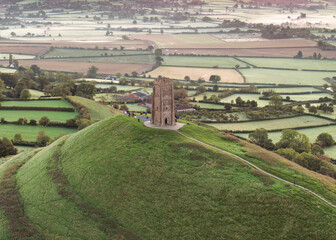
5	56
137	59
64	52
286	123
307	97
291	63
36	94
191	61
13	115
7	70
208	105
38	103
291	77
266	160
136	108
159	185
245	97
29	133
97	111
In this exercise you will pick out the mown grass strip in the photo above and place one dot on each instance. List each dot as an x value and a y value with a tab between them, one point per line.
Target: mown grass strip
20	226
105	222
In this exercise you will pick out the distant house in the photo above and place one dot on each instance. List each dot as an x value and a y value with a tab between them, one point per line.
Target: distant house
184	108
112	78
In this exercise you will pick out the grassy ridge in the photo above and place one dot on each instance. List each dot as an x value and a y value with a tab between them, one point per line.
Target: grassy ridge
97	111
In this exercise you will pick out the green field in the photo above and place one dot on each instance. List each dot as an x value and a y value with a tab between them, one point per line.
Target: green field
208	105
54	116
119	87
137	59
5	56
64	52
331	152
153	179
290	77
97	111
136	108
307	97
38	103
29	133
312	133
245	97
192	61
7	70
35	94
300	121
201	96
292	63
290	89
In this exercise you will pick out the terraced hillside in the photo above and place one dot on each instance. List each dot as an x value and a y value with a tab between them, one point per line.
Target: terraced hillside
120	180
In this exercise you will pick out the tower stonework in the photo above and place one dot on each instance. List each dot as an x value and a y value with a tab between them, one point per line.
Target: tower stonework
163	104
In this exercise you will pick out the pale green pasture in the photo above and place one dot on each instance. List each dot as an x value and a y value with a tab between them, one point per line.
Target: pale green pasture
292	63
301	121
290	77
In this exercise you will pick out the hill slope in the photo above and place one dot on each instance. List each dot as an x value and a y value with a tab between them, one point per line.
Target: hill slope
97	111
119	179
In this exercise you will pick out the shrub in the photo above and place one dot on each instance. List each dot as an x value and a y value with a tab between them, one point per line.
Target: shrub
71	122
325	140
42	138
7	148
18	137
25	94
44	121
288	153
83	123
33	122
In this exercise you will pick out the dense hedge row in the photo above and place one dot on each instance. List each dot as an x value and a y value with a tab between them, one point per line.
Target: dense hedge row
83	111
44	98
50	109
33	122
252	120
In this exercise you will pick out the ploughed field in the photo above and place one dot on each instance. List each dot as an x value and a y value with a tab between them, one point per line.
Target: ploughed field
227	75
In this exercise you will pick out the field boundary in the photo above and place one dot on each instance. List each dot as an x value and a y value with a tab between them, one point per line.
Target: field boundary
263	171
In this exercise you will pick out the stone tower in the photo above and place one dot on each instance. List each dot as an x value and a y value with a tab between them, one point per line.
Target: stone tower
163	104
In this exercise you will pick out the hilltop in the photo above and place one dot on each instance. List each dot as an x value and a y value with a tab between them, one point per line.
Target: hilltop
118	179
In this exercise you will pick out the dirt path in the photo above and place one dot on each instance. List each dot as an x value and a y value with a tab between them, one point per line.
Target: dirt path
254	166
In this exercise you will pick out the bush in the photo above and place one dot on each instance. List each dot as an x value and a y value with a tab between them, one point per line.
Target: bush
42	138
288	153
18	137
44	121
33	122
7	148
71	122
83	123
25	94
325	140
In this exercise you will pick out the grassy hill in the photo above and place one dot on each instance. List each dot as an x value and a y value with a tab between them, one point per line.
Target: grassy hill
118	179
97	111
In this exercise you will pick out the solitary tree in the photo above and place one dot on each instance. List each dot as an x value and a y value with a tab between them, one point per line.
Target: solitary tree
42	138
276	100
325	140
260	137
25	94
92	72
